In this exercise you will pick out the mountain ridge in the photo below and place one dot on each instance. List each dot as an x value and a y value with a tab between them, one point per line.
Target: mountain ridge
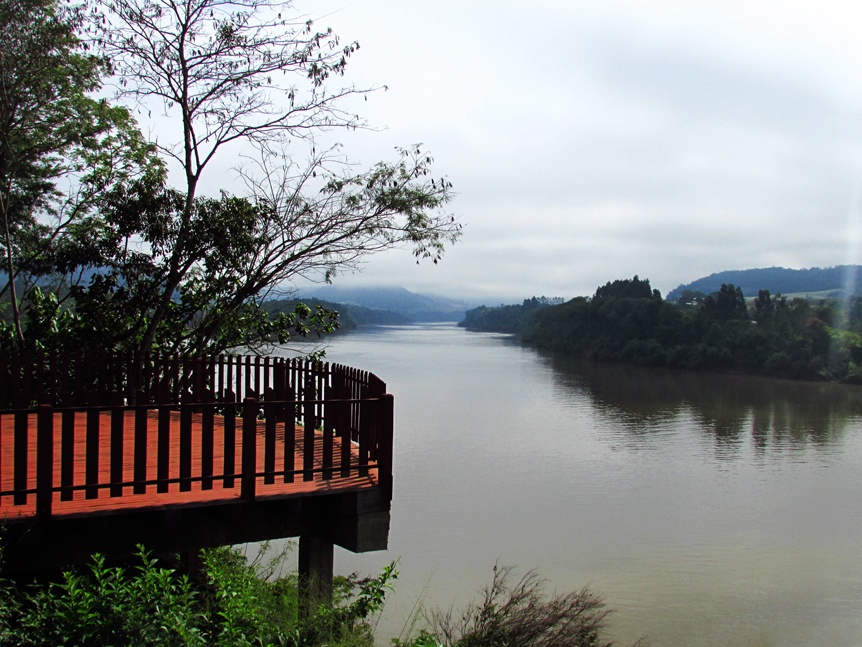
843	280
413	306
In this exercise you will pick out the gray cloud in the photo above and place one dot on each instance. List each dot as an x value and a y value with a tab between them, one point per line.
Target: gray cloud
593	141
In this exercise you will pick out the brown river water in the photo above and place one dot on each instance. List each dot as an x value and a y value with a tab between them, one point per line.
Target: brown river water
706	509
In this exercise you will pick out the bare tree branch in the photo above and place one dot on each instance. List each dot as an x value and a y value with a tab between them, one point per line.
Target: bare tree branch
217	63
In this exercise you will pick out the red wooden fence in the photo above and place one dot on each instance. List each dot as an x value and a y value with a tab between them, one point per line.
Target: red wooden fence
131	426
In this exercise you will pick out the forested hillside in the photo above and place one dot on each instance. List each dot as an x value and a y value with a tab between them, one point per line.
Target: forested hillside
411	306
626	321
844	280
506	318
348	316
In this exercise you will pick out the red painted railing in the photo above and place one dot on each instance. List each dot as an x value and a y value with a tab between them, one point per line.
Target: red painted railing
130	426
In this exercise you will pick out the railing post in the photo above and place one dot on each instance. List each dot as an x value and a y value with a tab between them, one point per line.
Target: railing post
118	433
249	449
67	454
207	441
163	443
44	461
140	444
20	451
309	422
229	463
328	416
366	420
185	444
269	428
341	394
385	435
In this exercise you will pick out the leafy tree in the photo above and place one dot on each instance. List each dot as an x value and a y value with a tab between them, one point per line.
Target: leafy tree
234	71
237	251
171	269
786	338
764	307
728	303
854	314
53	131
506	318
627	289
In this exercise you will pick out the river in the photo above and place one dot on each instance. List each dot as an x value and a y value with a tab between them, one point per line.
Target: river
706	509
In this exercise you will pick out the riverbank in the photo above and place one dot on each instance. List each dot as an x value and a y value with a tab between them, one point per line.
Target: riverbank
774	337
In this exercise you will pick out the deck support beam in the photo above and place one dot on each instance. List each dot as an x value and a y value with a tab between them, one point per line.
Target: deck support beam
315	572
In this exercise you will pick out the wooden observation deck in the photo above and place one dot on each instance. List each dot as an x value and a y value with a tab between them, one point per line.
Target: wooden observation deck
100	453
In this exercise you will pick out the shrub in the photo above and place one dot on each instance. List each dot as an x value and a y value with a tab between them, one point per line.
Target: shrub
234	604
518	613
103	605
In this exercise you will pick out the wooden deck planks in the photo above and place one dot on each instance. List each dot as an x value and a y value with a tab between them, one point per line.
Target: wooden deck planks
124	444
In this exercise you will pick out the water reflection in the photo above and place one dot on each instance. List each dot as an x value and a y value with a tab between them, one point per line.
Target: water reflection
709	510
775	414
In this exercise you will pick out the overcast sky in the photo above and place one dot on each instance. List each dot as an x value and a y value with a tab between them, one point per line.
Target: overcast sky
590	141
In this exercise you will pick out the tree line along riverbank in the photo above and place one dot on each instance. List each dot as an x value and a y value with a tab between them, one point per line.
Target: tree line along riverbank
628	321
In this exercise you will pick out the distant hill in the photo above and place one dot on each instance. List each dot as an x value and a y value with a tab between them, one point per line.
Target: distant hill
349	316
409	305
511	319
838	281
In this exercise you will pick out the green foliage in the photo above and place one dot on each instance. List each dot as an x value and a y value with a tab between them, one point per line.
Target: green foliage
346	621
506	318
50	125
627	289
108	606
727	304
243	608
53	129
423	639
349	315
790	338
123	261
236	605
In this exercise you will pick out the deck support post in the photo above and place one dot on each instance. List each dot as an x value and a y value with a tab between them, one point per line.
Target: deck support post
315	573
